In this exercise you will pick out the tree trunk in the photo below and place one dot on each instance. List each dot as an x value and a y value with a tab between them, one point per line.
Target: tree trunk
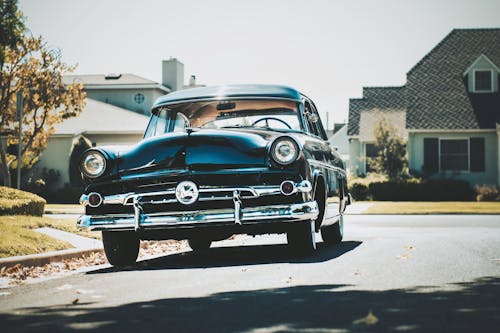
5	167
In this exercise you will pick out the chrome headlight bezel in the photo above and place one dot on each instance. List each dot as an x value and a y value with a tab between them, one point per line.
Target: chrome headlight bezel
284	151
99	158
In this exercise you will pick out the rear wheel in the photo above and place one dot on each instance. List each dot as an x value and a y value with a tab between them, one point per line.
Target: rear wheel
121	247
334	233
302	237
199	244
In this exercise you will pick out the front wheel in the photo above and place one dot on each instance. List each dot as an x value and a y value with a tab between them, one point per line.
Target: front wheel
302	237
199	244
334	233
121	247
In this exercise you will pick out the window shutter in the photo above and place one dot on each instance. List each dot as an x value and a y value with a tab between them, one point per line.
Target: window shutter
477	154
431	155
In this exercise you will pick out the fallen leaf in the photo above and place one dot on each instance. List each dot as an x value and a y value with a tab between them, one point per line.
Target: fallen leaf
369	319
404	256
65	287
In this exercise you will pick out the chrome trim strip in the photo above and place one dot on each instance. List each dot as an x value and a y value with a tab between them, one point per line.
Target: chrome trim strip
325	165
223	98
127	199
293	212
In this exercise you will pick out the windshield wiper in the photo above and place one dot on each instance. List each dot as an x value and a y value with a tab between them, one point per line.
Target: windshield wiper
236	126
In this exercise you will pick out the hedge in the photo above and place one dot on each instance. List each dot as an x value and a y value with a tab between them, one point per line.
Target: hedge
16	202
427	190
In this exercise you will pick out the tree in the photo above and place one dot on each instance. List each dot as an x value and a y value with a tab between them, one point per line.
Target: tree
11	26
35	70
391	157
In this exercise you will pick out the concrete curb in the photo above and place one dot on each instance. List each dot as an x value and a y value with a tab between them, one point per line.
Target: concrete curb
46	258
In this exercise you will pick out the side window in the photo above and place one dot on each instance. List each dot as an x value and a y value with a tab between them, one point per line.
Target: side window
181	123
310	119
314	121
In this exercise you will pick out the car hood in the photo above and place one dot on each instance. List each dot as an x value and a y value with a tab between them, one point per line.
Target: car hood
198	149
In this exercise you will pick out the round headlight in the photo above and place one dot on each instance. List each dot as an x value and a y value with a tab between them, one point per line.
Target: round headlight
93	164
284	151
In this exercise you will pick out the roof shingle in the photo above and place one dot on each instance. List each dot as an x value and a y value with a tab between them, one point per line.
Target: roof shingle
437	95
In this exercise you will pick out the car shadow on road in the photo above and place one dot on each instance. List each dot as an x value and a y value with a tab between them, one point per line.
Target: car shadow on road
462	307
239	256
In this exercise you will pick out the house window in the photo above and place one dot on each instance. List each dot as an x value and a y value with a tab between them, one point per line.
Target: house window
454	155
139	98
483	81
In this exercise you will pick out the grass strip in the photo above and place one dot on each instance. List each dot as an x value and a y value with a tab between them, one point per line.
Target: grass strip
17	236
441	207
63	209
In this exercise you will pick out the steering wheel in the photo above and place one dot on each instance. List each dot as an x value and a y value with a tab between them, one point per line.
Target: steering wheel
266	119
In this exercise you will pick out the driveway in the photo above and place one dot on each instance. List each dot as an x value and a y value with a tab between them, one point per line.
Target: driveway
390	274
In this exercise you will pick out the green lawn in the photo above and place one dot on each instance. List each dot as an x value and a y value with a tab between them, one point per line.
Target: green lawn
17	237
442	207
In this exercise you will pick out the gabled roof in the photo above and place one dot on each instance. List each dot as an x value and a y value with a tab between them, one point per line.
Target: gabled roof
437	93
229	92
384	99
102	81
99	117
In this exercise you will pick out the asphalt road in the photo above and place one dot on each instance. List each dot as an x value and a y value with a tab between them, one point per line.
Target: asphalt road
390	274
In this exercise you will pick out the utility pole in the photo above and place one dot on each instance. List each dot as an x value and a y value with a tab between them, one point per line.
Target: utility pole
19	109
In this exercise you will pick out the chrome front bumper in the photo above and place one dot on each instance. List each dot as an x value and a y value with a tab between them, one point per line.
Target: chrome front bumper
168	220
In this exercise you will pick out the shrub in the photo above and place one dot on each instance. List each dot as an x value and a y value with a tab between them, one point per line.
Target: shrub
16	202
487	193
359	191
427	190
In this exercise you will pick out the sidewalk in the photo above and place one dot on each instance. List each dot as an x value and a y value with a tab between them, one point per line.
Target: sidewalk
357	208
77	241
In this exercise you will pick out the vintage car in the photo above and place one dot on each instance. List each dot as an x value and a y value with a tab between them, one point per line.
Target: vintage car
214	162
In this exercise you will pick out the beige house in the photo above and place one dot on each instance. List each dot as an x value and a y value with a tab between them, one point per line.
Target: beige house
116	113
451	108
377	104
99	124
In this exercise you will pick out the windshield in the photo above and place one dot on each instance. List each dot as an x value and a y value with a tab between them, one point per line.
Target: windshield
268	114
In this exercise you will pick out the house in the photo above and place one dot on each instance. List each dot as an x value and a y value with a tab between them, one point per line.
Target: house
130	91
98	125
378	103
116	113
339	141
451	108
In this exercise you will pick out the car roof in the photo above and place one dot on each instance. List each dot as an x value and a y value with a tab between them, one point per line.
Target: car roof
233	91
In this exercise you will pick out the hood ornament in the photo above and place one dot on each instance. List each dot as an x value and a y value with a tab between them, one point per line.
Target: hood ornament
186	192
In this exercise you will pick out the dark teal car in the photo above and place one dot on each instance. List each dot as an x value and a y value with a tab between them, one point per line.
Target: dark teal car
214	162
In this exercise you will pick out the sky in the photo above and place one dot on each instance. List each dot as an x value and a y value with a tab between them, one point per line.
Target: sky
327	49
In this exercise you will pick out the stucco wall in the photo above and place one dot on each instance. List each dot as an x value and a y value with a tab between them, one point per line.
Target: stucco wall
356	164
56	156
114	139
489	176
124	98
